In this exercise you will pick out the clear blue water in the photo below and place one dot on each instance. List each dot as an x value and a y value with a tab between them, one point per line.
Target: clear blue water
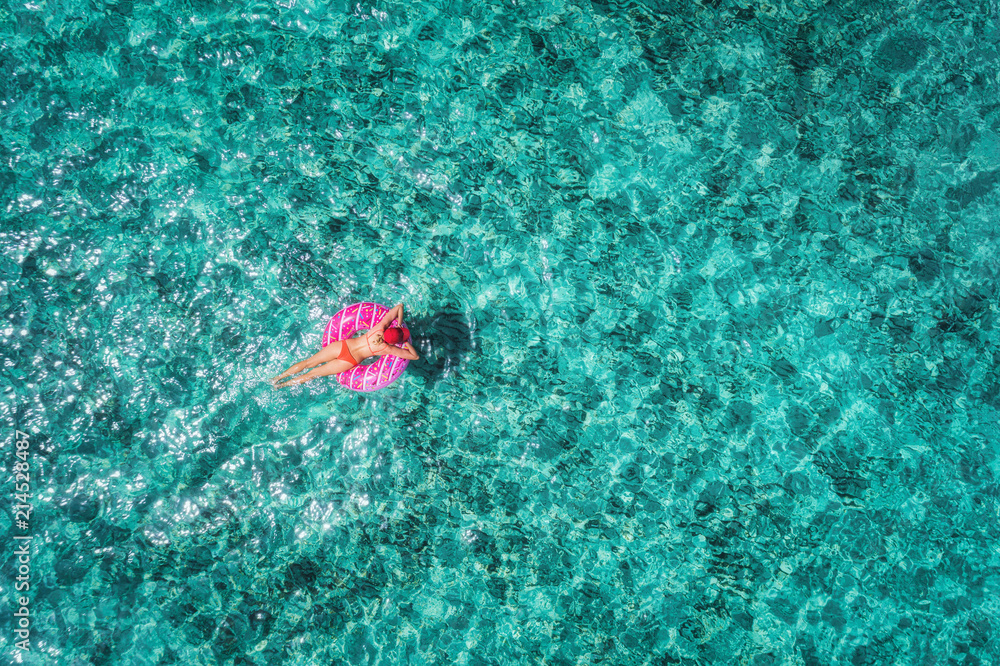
705	294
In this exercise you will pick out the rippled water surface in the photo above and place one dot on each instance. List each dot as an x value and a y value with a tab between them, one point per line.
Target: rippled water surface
706	299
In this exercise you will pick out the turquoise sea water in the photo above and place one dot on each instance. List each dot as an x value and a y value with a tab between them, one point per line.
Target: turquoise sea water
705	294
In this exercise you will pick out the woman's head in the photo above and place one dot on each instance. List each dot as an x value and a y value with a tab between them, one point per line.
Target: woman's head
394	335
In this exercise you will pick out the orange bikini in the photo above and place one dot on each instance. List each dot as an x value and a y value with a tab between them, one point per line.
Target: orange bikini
368	341
345	354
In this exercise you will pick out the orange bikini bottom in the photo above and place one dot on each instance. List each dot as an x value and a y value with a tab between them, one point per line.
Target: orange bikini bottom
345	353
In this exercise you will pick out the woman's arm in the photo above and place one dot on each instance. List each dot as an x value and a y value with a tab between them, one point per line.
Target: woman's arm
395	313
407	352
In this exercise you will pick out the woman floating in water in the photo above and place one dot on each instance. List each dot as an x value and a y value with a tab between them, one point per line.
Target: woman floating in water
342	355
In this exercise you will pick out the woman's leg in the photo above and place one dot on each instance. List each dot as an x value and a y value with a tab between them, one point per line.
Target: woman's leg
325	354
329	368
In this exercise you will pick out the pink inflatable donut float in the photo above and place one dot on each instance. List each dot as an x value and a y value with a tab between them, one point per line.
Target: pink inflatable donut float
347	322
